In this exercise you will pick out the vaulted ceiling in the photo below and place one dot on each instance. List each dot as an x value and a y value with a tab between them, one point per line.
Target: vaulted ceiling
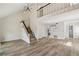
9	8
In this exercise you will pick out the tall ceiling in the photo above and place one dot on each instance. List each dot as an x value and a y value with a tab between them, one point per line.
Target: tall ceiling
9	8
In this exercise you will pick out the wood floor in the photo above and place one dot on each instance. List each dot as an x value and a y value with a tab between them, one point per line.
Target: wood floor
43	47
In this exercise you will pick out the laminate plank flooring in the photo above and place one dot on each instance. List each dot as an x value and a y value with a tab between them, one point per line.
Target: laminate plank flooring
43	47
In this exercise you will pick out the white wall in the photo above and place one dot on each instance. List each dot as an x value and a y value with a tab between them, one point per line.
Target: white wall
38	28
76	30
34	23
42	31
60	30
1	28
11	27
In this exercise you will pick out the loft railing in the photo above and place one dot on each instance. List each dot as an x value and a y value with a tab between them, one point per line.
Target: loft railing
56	8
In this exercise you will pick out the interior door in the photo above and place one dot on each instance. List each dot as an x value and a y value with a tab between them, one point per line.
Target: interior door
71	31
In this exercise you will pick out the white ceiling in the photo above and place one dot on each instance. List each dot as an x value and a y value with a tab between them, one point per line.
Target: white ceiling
9	8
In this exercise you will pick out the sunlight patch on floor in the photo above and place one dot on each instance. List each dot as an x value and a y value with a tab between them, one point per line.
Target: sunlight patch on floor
68	44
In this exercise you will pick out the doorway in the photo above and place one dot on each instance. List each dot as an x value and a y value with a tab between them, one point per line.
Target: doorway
71	31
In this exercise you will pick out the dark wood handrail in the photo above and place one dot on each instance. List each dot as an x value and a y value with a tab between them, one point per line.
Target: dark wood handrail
24	25
27	28
43	6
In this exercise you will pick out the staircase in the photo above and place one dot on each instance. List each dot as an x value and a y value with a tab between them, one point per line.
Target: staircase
32	37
